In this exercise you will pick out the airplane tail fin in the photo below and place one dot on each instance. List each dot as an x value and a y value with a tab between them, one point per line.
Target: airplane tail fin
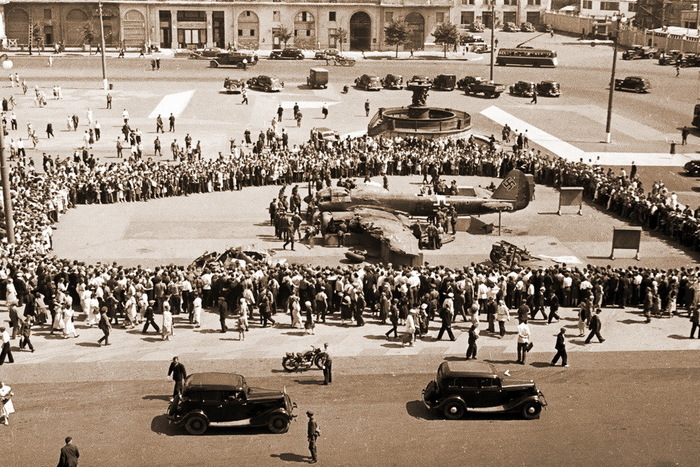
515	187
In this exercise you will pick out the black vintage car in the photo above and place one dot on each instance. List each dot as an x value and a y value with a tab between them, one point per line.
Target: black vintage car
225	399
510	27
233	86
369	83
527	27
290	53
548	89
462	387
522	89
445	82
632	84
692	168
237	59
392	81
265	83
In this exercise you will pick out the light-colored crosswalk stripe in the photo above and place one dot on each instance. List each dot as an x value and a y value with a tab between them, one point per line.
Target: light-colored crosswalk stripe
549	142
172	103
571	153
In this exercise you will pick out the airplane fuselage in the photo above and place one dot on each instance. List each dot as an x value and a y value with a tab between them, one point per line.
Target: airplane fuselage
420	205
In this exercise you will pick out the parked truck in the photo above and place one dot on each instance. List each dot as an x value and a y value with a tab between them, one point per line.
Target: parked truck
476	85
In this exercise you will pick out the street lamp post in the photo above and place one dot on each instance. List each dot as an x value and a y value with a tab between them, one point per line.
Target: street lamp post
493	29
5	173
616	20
105	85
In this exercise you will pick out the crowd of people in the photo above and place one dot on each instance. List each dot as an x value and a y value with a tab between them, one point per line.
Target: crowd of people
51	289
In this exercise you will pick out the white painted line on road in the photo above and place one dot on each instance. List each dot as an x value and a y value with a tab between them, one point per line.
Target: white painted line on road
571	153
172	103
551	143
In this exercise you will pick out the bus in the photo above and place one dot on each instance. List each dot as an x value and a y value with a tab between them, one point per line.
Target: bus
696	116
526	56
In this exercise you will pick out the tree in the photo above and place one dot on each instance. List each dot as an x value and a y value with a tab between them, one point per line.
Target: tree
89	35
341	35
397	33
446	34
283	35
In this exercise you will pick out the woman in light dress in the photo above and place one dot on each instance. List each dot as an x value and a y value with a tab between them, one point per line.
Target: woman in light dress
69	326
295	310
167	328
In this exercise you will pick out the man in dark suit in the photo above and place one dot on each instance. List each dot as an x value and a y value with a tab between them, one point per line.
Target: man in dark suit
148	318
560	346
595	326
312	433
69	454
446	316
179	373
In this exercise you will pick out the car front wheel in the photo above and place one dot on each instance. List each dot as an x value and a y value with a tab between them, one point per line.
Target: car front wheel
453	410
196	425
531	410
278	423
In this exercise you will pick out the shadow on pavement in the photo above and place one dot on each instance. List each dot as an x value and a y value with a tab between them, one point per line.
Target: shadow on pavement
309	382
416	409
156	397
679	337
393	346
152	339
454	359
160	424
381	337
88	344
540	364
632	321
291	457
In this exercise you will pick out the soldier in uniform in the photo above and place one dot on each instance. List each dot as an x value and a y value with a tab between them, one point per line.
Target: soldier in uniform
312	434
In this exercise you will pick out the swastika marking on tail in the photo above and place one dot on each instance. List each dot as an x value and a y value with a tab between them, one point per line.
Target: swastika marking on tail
509	183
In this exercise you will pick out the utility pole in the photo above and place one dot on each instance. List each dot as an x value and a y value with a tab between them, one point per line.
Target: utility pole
105	85
616	20
493	29
6	196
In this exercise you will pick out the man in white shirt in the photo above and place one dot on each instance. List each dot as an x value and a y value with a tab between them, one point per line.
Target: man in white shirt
523	341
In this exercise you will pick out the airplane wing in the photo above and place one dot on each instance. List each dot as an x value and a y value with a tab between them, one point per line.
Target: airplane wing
392	229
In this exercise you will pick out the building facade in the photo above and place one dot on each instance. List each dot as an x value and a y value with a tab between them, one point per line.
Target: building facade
603	9
173	24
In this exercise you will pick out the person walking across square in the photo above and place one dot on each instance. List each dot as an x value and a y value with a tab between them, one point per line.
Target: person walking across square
560	346
69	454
595	326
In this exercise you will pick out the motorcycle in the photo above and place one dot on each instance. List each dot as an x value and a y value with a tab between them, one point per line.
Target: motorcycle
295	361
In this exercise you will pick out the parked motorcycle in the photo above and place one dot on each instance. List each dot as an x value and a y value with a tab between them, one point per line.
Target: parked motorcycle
304	360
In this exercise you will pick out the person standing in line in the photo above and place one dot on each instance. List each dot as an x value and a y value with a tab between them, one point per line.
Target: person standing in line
6	351
327	366
179	373
171	123
523	341
295	110
584	315
473	336
109	101
98	130
6	406
312	434
105	326
595	326
502	315
159	124
280	112
367	108
560	346
69	454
